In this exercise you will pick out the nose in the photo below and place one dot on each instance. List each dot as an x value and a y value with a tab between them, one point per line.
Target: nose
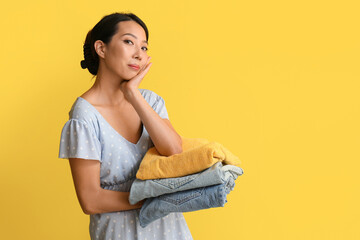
137	54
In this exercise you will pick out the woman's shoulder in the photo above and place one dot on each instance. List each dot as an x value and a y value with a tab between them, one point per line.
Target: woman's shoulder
83	112
150	96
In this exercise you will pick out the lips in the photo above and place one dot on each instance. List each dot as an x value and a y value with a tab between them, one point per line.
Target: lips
134	66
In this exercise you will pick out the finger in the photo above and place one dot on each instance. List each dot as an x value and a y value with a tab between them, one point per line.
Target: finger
147	62
141	75
145	69
144	72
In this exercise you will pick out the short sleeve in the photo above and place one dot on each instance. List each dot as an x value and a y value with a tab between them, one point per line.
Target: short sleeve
79	141
160	107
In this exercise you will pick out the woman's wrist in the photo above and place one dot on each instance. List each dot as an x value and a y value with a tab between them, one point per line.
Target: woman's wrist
131	93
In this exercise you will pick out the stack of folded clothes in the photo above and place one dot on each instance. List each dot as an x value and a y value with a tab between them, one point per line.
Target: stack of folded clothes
198	178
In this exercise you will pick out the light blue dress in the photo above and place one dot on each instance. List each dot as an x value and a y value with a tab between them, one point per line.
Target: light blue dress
88	135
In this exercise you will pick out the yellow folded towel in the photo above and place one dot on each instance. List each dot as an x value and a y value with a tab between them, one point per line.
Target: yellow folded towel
198	154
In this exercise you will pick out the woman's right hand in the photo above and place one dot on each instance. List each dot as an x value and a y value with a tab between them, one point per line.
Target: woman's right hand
138	204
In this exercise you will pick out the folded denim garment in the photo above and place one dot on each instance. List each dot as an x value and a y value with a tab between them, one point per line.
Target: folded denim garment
141	189
198	154
186	201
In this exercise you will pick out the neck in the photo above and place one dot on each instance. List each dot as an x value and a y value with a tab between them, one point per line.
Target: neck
106	90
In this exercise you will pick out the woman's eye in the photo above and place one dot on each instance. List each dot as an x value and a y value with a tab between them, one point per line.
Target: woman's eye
131	42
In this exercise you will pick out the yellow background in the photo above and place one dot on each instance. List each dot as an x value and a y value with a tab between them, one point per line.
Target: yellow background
275	82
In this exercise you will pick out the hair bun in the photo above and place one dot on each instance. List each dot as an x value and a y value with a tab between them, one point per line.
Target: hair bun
83	64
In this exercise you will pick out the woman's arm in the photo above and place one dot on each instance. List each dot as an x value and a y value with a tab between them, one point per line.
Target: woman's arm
166	140
92	198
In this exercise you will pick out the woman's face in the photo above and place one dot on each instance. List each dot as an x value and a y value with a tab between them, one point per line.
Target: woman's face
127	46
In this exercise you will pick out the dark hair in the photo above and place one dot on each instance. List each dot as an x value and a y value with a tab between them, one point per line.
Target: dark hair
104	30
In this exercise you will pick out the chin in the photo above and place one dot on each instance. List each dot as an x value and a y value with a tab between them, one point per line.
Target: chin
124	75
129	76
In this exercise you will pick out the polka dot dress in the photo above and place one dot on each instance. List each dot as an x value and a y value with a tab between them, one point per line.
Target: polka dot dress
88	135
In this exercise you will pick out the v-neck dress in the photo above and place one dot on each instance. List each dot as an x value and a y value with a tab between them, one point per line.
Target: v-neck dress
88	135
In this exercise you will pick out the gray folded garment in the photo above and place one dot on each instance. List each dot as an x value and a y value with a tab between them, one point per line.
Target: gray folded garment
189	200
142	189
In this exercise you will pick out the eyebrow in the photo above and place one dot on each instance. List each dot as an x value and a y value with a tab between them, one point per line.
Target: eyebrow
134	37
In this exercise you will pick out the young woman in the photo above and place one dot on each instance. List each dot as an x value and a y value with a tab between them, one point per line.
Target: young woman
110	128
